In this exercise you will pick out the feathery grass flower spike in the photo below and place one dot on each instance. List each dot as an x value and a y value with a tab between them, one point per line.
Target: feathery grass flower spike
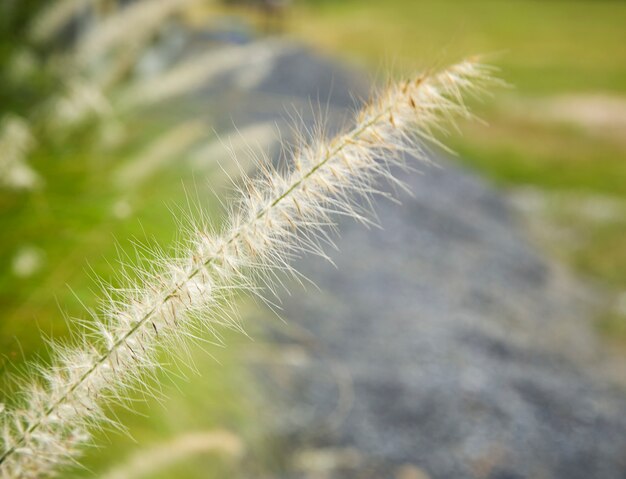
280	215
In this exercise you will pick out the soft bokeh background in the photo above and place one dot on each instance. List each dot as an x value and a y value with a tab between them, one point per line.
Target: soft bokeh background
556	139
87	174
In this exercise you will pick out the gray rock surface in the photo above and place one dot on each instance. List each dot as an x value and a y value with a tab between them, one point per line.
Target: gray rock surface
443	344
443	340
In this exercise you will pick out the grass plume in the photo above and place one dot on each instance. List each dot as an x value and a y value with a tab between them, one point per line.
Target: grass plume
16	142
280	216
55	17
137	22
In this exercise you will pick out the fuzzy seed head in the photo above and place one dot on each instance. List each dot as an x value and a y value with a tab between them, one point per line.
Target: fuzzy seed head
280	216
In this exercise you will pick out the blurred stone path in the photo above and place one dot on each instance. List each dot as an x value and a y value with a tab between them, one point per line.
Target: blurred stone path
443	345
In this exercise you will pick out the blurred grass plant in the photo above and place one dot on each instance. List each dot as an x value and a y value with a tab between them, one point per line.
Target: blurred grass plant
16	142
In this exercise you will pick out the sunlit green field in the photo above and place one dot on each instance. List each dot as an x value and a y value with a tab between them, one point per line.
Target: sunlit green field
542	47
547	52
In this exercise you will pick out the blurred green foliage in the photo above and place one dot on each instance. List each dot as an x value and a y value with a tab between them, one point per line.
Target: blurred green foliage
14	21
16	95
